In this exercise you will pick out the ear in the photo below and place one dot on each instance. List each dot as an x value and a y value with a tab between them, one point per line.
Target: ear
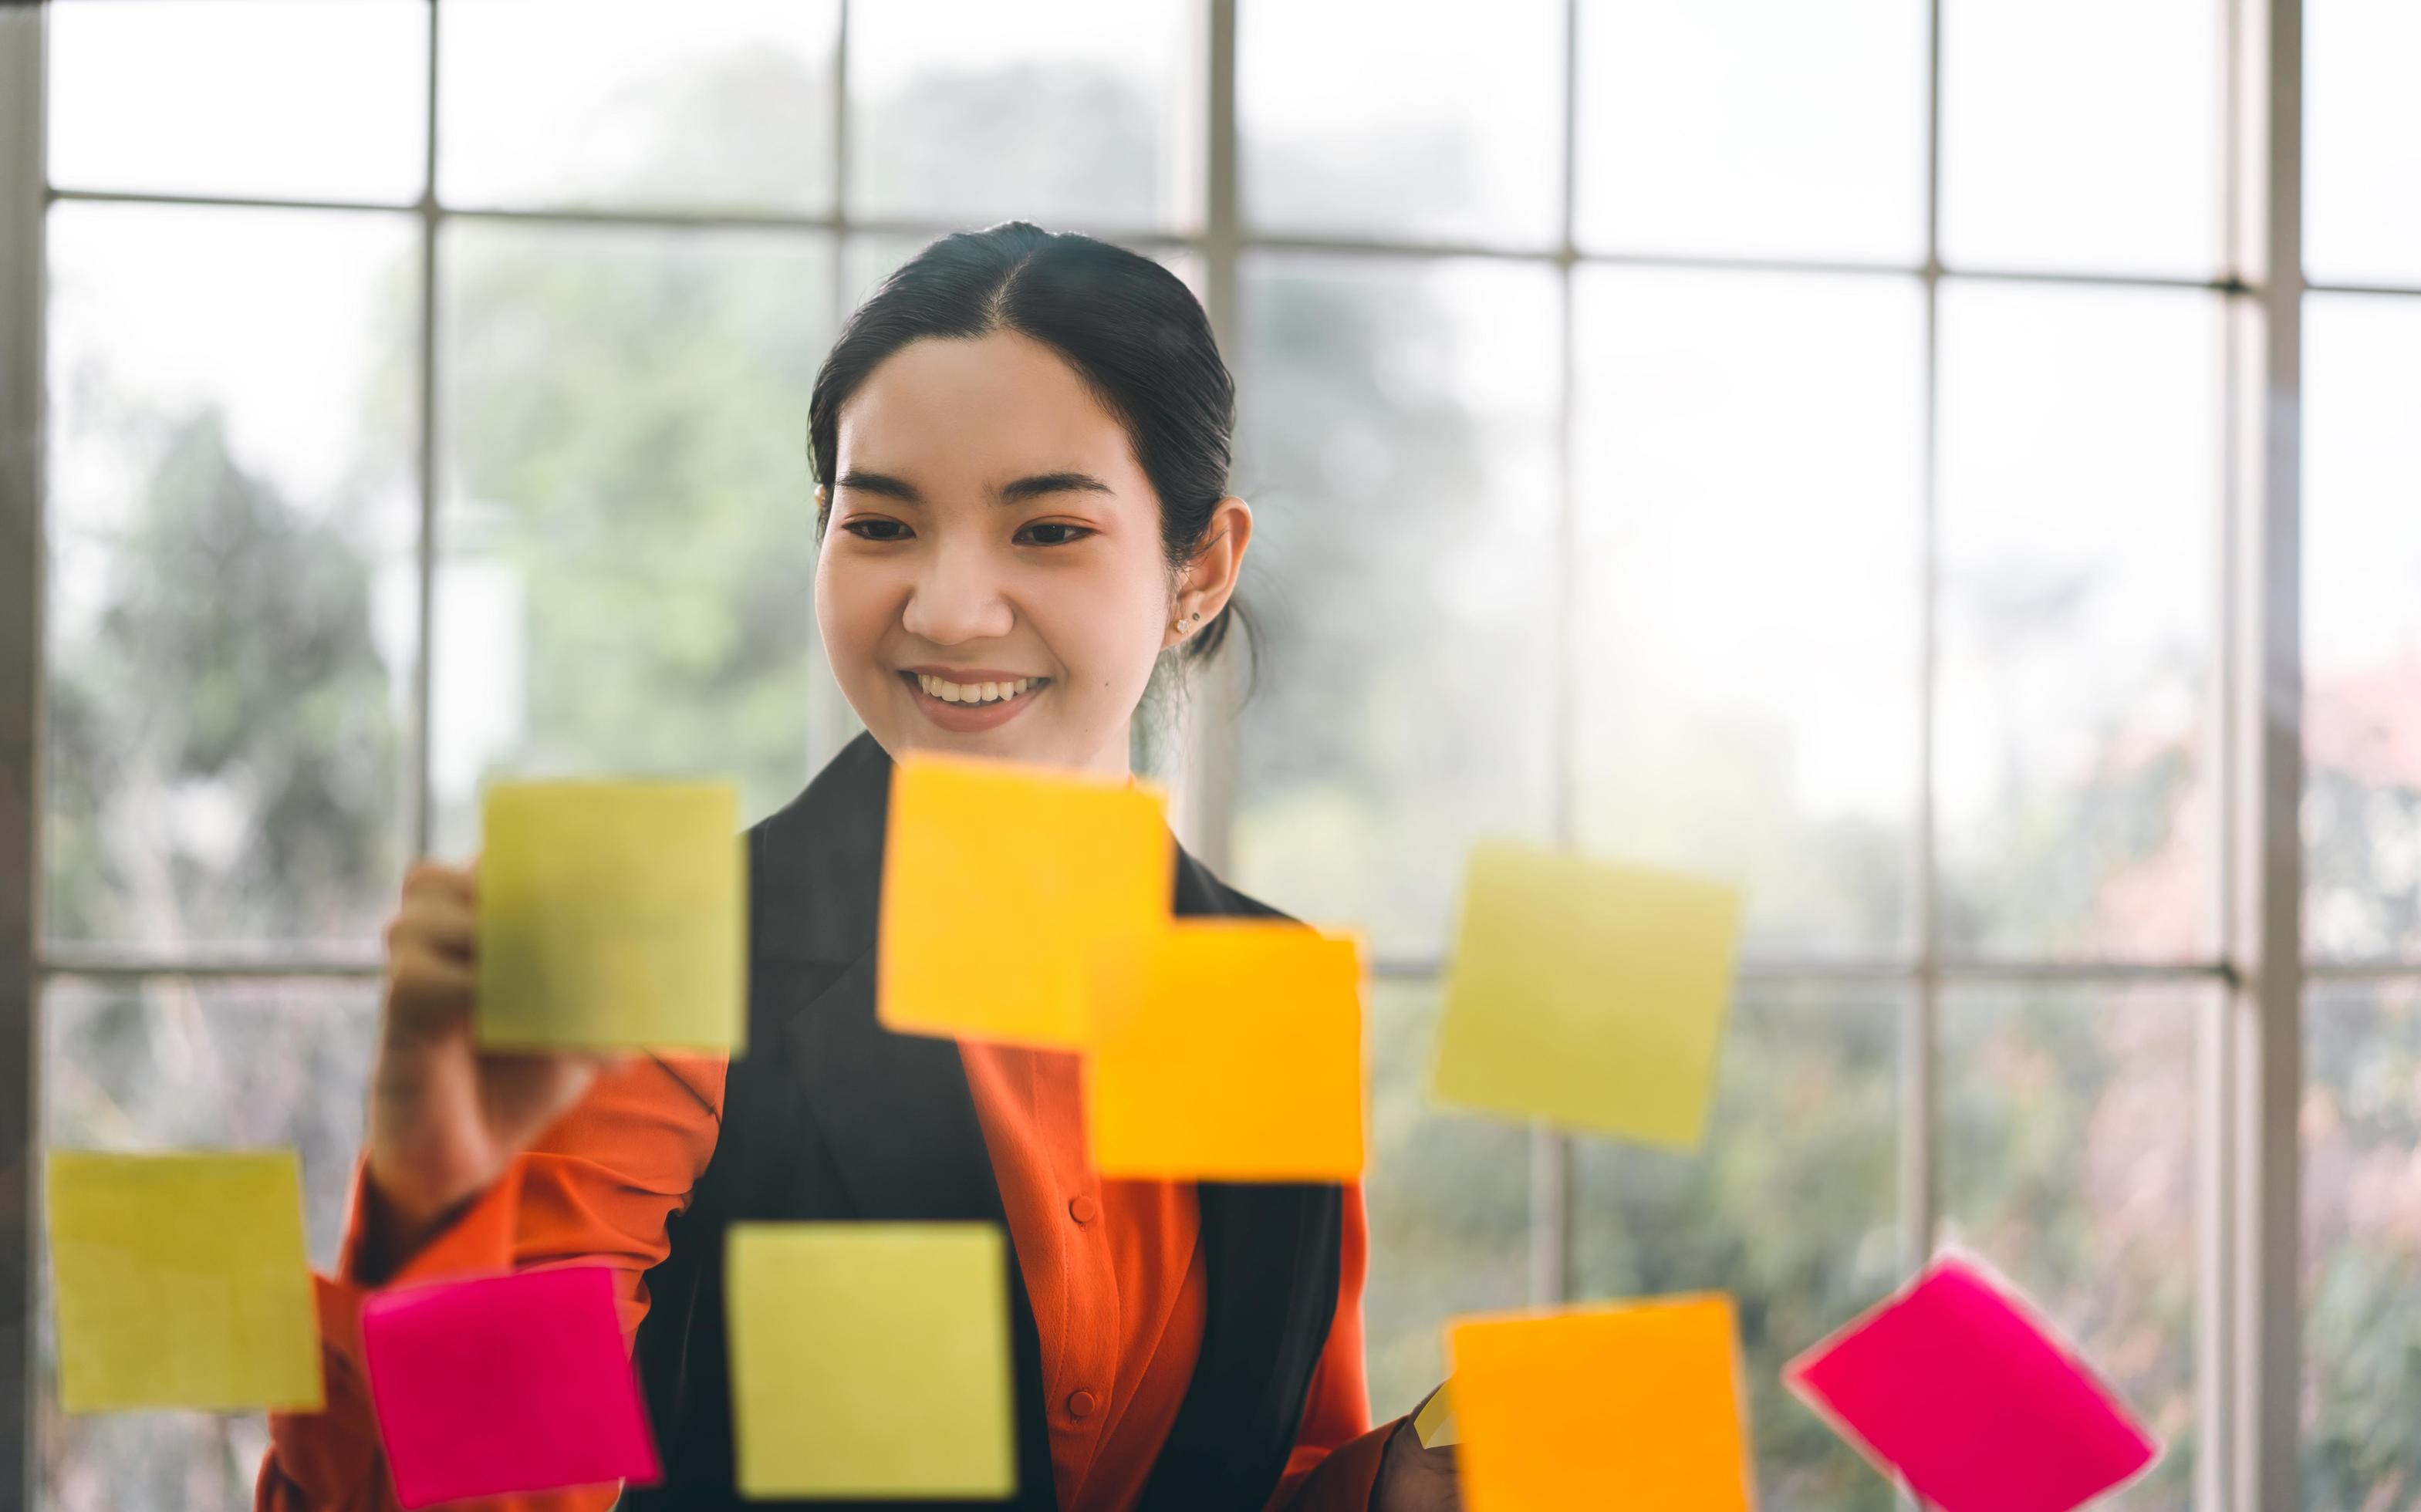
1209	579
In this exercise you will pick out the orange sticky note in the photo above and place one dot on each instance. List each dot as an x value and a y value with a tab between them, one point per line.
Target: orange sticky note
1229	1050
999	883
1630	1405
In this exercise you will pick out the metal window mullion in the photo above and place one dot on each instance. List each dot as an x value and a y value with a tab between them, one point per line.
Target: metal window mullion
2265	1010
1554	1241
1920	1011
22	567
423	800
1214	743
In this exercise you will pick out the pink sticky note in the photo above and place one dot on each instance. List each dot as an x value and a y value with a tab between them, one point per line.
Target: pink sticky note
505	1384
1955	1385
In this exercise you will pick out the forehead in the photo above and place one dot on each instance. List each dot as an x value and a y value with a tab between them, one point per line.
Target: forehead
980	407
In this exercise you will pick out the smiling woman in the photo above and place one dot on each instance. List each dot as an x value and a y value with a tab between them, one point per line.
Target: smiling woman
1020	444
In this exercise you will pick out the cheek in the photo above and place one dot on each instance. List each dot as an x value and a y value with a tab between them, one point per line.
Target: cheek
1106	629
850	611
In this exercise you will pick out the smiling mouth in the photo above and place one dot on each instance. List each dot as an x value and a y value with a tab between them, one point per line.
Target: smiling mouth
977	695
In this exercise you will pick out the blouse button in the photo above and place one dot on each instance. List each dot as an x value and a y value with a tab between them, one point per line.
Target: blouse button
1081	1404
1083	1209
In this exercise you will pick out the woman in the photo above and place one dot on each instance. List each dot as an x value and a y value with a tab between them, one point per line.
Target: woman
1021	444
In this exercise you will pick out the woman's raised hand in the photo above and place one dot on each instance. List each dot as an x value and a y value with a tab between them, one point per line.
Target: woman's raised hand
446	1117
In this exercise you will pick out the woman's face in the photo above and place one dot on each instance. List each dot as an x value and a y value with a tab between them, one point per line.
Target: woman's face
992	579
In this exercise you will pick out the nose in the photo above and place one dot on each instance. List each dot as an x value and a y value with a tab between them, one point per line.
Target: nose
956	598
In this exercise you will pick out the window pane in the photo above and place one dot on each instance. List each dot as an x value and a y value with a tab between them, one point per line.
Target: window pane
2067	1140
1737	710
2361	152
629	525
1084	113
230	419
2362	626
2083	136
2080	452
2361	1123
1430	120
171	1063
1398	451
1449	1204
1789	1207
1754	128
257	98
723	104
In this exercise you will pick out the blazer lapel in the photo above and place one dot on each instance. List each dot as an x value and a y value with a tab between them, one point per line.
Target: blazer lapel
894	1112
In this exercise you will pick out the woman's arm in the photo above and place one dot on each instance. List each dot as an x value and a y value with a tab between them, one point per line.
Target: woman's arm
597	1187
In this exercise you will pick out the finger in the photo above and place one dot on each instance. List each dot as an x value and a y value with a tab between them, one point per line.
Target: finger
428	992
437	922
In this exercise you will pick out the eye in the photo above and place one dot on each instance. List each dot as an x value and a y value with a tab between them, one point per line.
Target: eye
1053	533
875	527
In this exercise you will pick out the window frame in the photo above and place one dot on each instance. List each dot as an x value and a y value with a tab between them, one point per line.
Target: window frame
2249	1059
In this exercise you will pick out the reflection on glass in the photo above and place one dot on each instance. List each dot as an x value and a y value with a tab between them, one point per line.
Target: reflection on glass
230	420
2362	142
1078	114
2082	137
628	526
2362	627
1754	128
1432	120
1448	1200
1749	447
2080	452
1789	1207
2361	1124
171	1062
711	105
2067	1139
1397	449
263	99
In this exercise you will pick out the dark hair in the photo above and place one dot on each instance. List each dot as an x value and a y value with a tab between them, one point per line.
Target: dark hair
1131	330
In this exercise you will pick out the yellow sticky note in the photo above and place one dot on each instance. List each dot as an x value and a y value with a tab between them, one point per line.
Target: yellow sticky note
612	914
1229	1050
1633	1405
182	1280
1589	994
1435	1425
999	883
871	1360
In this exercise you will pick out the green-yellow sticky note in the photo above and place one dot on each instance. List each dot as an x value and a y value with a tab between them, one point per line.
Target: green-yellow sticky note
182	1280
1588	993
871	1360
612	915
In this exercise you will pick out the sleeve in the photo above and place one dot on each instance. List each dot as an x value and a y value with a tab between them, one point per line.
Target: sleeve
1337	1452
598	1187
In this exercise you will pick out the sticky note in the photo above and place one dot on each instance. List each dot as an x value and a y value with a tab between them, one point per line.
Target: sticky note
612	914
1954	1385
1633	1405
1588	993
871	1360
999	883
1435	1425
1235	1055
182	1280
505	1384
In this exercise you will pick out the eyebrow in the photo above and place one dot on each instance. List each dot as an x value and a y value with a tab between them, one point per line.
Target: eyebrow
1017	491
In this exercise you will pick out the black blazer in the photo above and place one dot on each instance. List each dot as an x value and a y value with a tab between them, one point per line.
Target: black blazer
830	1116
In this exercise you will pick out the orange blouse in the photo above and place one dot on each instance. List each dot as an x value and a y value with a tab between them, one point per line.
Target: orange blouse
1113	1269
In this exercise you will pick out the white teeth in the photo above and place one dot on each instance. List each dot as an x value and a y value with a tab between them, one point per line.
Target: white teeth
972	693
